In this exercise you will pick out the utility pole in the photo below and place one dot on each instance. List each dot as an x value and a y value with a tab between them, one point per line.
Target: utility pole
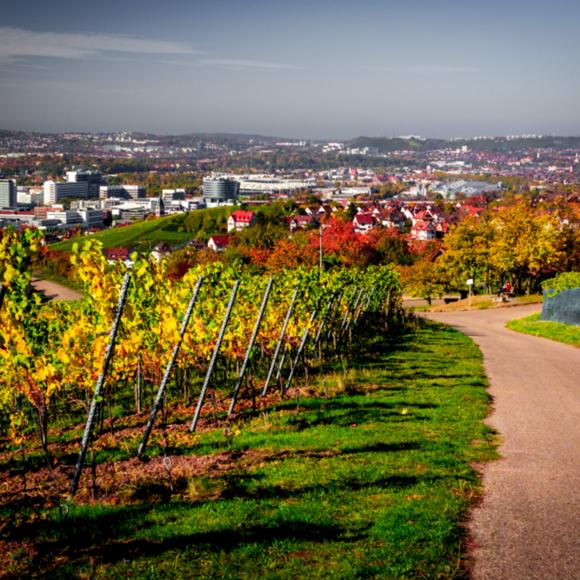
320	255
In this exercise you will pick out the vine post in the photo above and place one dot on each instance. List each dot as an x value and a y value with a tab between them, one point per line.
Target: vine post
280	340
164	381
100	383
214	357
250	346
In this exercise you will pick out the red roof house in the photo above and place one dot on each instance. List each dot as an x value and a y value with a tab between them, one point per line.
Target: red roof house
241	219
219	243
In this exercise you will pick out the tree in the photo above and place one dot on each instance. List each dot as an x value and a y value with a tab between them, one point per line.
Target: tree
527	242
351	211
466	253
424	279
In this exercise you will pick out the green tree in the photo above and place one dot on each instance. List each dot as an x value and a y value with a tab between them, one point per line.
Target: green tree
466	253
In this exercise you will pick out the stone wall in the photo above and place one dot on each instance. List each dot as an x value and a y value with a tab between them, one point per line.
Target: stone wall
564	307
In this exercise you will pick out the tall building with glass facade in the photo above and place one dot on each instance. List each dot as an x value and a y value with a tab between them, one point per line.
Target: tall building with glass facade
8	194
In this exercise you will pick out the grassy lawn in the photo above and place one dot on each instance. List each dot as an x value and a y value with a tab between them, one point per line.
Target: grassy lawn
553	330
153	230
367	472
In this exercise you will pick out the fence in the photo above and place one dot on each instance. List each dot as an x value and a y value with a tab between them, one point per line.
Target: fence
563	307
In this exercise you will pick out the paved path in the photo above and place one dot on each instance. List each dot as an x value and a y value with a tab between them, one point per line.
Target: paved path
528	526
55	291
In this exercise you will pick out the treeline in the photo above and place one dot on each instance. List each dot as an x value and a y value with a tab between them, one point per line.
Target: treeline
521	243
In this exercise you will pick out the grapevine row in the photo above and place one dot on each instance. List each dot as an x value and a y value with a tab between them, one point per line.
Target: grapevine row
139	335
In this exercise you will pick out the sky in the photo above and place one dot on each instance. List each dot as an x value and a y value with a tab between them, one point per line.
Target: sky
316	69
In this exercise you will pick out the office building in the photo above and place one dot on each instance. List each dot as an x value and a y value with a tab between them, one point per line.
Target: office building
122	191
219	190
55	192
8	195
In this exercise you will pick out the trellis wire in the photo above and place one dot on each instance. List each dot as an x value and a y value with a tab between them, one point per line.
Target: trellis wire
164	381
214	357
99	386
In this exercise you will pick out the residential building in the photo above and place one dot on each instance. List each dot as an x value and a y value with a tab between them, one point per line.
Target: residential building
363	222
302	222
218	243
423	230
240	220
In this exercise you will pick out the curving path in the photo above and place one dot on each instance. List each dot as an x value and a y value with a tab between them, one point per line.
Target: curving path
54	291
528	525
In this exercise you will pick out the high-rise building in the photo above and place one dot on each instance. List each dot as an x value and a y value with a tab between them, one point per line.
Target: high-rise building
8	193
93	178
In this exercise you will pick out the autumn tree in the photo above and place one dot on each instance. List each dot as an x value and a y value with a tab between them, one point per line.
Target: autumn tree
527	242
466	253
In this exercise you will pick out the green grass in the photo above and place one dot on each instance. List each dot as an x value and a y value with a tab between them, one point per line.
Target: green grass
369	476
553	330
154	230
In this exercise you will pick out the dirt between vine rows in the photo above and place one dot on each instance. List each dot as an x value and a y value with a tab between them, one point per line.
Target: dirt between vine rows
116	481
126	482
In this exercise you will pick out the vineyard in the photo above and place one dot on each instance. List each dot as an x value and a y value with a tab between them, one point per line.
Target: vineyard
155	359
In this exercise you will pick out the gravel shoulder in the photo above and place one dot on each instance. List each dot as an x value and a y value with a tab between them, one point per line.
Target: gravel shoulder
528	525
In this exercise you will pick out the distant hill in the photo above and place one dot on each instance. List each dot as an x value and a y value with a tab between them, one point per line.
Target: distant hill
499	144
388	145
226	139
75	140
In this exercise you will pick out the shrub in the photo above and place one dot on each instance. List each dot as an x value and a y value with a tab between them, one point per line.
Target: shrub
561	282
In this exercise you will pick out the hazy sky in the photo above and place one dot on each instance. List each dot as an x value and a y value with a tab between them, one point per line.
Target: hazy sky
295	68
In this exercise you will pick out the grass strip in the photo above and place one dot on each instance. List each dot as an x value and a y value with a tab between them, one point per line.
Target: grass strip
557	331
367	473
153	230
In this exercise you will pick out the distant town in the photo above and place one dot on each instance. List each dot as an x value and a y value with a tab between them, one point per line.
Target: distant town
68	184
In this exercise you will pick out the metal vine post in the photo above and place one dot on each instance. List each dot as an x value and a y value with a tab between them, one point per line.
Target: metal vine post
348	307
351	314
364	305
280	339
138	394
299	352
334	314
280	367
250	346
323	321
164	381
214	357
100	383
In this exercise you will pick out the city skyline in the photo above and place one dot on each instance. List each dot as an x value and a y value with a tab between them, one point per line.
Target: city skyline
333	70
